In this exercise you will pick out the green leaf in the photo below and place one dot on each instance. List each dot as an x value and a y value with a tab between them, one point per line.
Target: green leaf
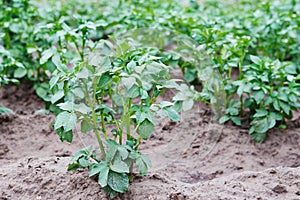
236	120
65	135
4	110
85	126
83	162
248	102
83	73
133	92
172	114
276	104
97	168
53	81
282	126
66	106
103	176
145	129
224	119
141	166
104	80
255	60
57	62
82	108
128	82
260	125
110	192
123	152
187	104
42	91
189	76
81	153
141	116
20	72
78	92
286	107
143	94
66	120
293	97
291	69
259	137
240	90
57	96
261	113
118	182
232	111
258	96
46	55
120	167
271	121
131	66
112	148
276	116
73	166
143	163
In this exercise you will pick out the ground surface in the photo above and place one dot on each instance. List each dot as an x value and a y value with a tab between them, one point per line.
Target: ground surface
196	159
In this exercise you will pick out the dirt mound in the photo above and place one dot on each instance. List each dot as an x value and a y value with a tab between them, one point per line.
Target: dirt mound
194	159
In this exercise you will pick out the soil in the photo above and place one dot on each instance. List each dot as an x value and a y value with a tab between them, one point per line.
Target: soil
195	159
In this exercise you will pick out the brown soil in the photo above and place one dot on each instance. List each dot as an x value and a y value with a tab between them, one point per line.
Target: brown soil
196	159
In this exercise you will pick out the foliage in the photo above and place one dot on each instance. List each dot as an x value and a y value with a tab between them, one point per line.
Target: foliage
245	55
117	88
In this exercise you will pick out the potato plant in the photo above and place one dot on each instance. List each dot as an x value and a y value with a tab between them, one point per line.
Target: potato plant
112	92
250	45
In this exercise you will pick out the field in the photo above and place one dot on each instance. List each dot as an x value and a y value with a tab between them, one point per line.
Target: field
165	101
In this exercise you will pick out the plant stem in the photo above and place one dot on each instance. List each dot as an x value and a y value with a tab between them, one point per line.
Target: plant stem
128	120
83	46
126	117
120	133
103	126
102	115
241	77
138	144
242	106
95	128
7	39
229	73
241	67
94	118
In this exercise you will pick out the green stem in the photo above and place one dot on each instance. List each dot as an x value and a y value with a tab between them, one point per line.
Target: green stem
102	114
138	143
120	134
241	77
7	40
128	120
121	128
241	67
83	46
242	106
103	126
95	128
94	118
110	94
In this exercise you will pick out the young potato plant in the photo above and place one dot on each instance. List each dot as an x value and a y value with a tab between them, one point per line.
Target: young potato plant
229	34
270	91
113	94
